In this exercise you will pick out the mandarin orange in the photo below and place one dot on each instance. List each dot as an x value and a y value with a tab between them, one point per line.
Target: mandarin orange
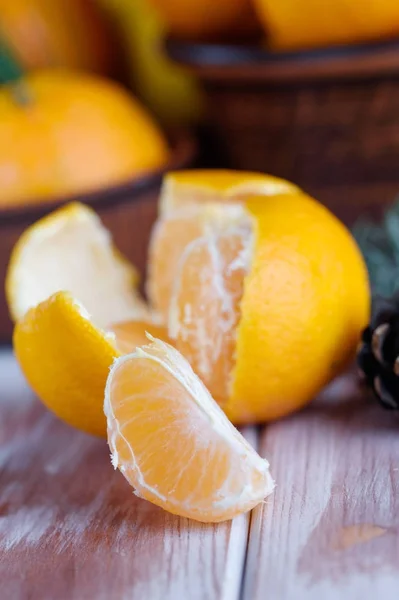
304	303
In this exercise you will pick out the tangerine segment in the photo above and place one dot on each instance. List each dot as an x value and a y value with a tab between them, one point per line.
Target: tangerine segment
306	300
66	360
173	443
205	307
71	250
131	334
172	234
183	188
168	239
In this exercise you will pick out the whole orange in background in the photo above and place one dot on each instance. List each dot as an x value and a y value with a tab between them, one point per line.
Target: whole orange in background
208	19
291	24
58	33
64	132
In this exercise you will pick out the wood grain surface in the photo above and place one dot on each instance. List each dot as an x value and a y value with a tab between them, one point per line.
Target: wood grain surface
70	527
330	530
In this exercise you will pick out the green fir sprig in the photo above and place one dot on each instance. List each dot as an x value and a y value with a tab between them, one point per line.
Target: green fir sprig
379	243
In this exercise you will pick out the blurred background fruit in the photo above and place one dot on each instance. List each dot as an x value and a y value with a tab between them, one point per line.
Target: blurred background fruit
167	89
208	19
290	24
59	33
68	132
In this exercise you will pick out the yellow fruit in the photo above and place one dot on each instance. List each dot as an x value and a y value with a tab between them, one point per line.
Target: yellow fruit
192	204
290	24
173	443
66	360
62	33
65	132
71	250
300	307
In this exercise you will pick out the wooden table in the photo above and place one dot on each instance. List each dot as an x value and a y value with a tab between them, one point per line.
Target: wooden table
71	529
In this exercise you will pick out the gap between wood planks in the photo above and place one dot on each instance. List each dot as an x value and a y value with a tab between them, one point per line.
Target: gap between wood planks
330	529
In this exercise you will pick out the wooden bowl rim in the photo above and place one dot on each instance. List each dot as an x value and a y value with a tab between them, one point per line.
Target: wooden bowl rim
224	61
184	150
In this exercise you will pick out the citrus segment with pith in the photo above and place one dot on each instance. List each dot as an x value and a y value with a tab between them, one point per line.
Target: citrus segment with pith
205	307
173	443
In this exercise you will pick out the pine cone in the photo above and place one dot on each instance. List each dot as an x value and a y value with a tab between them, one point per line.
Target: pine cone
378	355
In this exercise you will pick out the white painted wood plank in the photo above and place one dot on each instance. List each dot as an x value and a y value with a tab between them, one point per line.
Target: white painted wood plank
70	527
330	530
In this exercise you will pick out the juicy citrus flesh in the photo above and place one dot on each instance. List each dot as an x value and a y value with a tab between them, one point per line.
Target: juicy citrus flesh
194	203
205	306
66	360
173	443
131	334
71	250
171	236
299	310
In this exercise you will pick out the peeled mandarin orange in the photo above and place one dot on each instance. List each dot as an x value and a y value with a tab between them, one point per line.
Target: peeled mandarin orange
71	250
300	308
173	443
131	334
66	360
192	204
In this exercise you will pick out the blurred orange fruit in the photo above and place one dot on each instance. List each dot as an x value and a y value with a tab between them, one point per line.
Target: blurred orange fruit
207	19
173	443
58	33
71	250
192	204
267	320
290	24
91	132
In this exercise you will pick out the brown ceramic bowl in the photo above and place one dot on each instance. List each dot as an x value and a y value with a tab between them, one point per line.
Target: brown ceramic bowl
128	210
327	120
